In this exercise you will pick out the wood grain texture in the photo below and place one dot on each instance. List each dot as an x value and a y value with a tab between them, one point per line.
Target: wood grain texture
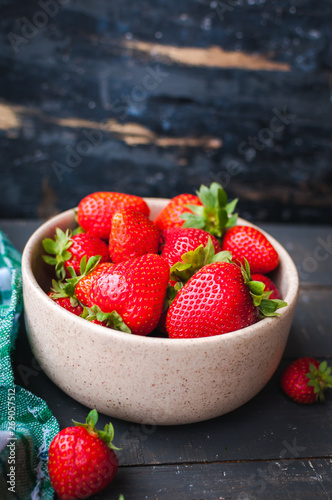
298	479
157	98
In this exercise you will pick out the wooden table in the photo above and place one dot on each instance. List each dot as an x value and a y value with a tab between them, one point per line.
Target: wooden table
269	448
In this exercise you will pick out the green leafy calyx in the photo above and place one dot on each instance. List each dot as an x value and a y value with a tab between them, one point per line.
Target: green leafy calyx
106	435
194	260
267	307
61	289
58	251
112	319
320	379
215	215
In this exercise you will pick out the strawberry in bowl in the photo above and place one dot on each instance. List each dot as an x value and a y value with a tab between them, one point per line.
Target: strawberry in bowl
155	380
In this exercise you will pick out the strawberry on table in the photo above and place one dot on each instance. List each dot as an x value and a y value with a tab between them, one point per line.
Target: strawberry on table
305	380
132	234
269	285
245	242
82	460
219	298
135	290
67	250
95	211
181	240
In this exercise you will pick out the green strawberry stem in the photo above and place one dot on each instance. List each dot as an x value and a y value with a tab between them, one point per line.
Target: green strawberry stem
215	215
171	293
107	435
59	290
190	263
194	260
58	250
78	229
62	289
320	379
267	307
112	319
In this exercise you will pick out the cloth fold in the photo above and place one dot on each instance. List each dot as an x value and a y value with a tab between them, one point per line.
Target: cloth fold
27	425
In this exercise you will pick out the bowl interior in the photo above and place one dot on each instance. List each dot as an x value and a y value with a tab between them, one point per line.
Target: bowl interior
285	275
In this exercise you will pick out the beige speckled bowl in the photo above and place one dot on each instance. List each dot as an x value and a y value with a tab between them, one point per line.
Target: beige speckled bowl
150	380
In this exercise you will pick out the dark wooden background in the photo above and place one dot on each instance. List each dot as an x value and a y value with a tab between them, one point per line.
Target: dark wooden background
156	97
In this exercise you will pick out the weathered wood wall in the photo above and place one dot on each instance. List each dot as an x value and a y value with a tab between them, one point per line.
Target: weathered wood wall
156	97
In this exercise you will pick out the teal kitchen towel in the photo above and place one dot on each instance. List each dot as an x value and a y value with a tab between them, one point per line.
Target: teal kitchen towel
27	426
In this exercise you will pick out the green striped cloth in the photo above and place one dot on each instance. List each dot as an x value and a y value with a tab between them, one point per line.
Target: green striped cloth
27	426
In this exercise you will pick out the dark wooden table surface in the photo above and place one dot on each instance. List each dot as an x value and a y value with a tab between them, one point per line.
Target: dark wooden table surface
269	448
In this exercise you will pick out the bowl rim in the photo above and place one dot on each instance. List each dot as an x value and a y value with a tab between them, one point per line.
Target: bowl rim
28	276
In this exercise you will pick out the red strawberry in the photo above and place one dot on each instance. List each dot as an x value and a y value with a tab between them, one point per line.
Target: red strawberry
96	210
132	235
82	460
269	285
248	242
84	285
209	211
181	240
214	301
135	290
170	215
305	380
68	303
68	251
219	298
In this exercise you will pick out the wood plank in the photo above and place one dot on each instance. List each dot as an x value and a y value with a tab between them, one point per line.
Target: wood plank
299	479
269	426
310	333
311	249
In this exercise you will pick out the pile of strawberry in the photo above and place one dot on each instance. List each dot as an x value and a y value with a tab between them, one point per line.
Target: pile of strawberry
192	272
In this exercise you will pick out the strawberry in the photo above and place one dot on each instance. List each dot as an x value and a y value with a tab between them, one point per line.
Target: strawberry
84	285
170	215
63	293
208	210
305	380
132	234
68	251
219	298
135	290
181	240
248	242
82	460
95	211
67	303
215	215
269	285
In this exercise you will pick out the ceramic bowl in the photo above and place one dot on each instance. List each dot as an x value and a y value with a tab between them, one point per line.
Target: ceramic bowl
150	380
